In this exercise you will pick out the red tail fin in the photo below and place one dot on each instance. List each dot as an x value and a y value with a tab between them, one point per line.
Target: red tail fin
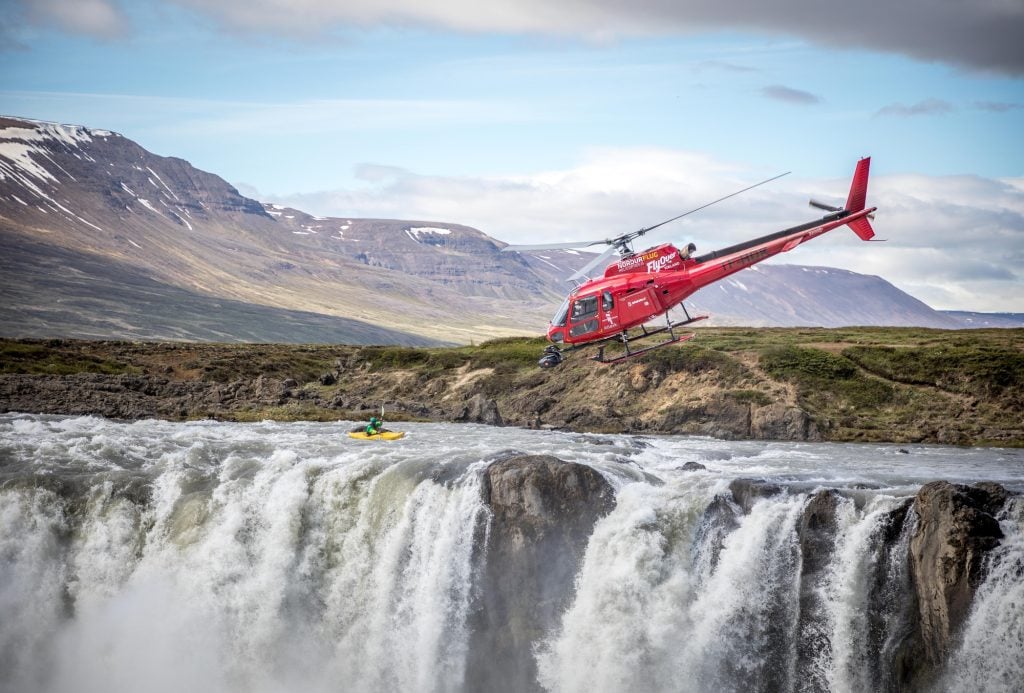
858	197
859	187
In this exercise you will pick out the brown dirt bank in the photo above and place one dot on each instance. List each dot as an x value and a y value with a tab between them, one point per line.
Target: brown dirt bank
860	384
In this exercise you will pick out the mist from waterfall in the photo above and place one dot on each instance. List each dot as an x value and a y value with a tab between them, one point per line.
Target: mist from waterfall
281	557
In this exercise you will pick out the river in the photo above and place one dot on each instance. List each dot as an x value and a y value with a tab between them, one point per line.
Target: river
224	557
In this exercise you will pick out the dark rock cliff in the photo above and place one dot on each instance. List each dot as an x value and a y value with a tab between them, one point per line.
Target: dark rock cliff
543	512
956	528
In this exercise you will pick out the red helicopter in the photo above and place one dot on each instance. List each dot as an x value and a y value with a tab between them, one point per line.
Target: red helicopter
641	286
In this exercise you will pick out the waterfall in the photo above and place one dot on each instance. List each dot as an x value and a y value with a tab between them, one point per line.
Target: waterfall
248	573
660	607
281	557
653	624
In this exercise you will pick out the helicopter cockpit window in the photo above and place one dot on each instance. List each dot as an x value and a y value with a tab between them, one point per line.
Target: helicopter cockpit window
607	302
584	316
584	308
561	314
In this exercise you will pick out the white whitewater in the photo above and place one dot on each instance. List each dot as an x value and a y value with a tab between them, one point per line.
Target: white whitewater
286	557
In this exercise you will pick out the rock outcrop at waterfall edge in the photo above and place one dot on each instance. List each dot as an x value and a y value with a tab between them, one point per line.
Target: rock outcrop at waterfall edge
956	528
543	512
926	567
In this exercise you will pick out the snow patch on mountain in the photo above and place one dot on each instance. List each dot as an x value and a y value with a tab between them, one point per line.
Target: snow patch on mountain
157	176
26	155
415	233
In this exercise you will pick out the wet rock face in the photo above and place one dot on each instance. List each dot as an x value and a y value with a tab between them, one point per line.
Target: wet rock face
723	417
781	422
816	533
746	492
480	409
956	529
543	512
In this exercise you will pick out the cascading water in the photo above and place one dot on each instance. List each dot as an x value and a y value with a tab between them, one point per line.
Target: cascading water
283	557
209	562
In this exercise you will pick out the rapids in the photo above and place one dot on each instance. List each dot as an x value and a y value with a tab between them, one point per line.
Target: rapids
265	557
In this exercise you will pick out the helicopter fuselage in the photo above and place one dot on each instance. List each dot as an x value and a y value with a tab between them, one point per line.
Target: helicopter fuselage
643	286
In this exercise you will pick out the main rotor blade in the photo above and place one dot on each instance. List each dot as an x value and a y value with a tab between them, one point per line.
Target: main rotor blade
583	272
551	246
624	240
715	202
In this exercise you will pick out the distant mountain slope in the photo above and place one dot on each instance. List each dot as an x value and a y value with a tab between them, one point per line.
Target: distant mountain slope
451	255
970	319
97	192
794	295
87	296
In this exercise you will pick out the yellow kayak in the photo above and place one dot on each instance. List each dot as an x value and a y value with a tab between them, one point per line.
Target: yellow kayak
383	435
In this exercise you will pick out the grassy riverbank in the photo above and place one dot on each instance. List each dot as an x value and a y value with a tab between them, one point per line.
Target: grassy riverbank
863	384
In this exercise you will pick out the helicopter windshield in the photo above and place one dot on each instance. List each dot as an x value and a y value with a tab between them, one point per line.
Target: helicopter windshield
561	314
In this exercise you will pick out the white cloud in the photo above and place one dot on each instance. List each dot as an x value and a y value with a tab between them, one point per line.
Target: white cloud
921	108
97	18
979	35
982	34
955	242
790	95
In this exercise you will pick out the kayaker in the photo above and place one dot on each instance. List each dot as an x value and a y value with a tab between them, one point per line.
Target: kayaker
374	427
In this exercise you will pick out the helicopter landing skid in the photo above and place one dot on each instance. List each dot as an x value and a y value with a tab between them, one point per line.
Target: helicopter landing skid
630	354
624	338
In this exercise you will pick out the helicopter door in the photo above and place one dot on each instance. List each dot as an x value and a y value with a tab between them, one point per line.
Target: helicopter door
609	316
583	316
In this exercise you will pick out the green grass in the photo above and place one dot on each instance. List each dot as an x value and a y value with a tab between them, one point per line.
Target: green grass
389	358
822	378
517	352
734	339
979	370
43	359
696	360
506	354
755	397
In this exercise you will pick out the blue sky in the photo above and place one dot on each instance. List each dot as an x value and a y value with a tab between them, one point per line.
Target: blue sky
533	123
